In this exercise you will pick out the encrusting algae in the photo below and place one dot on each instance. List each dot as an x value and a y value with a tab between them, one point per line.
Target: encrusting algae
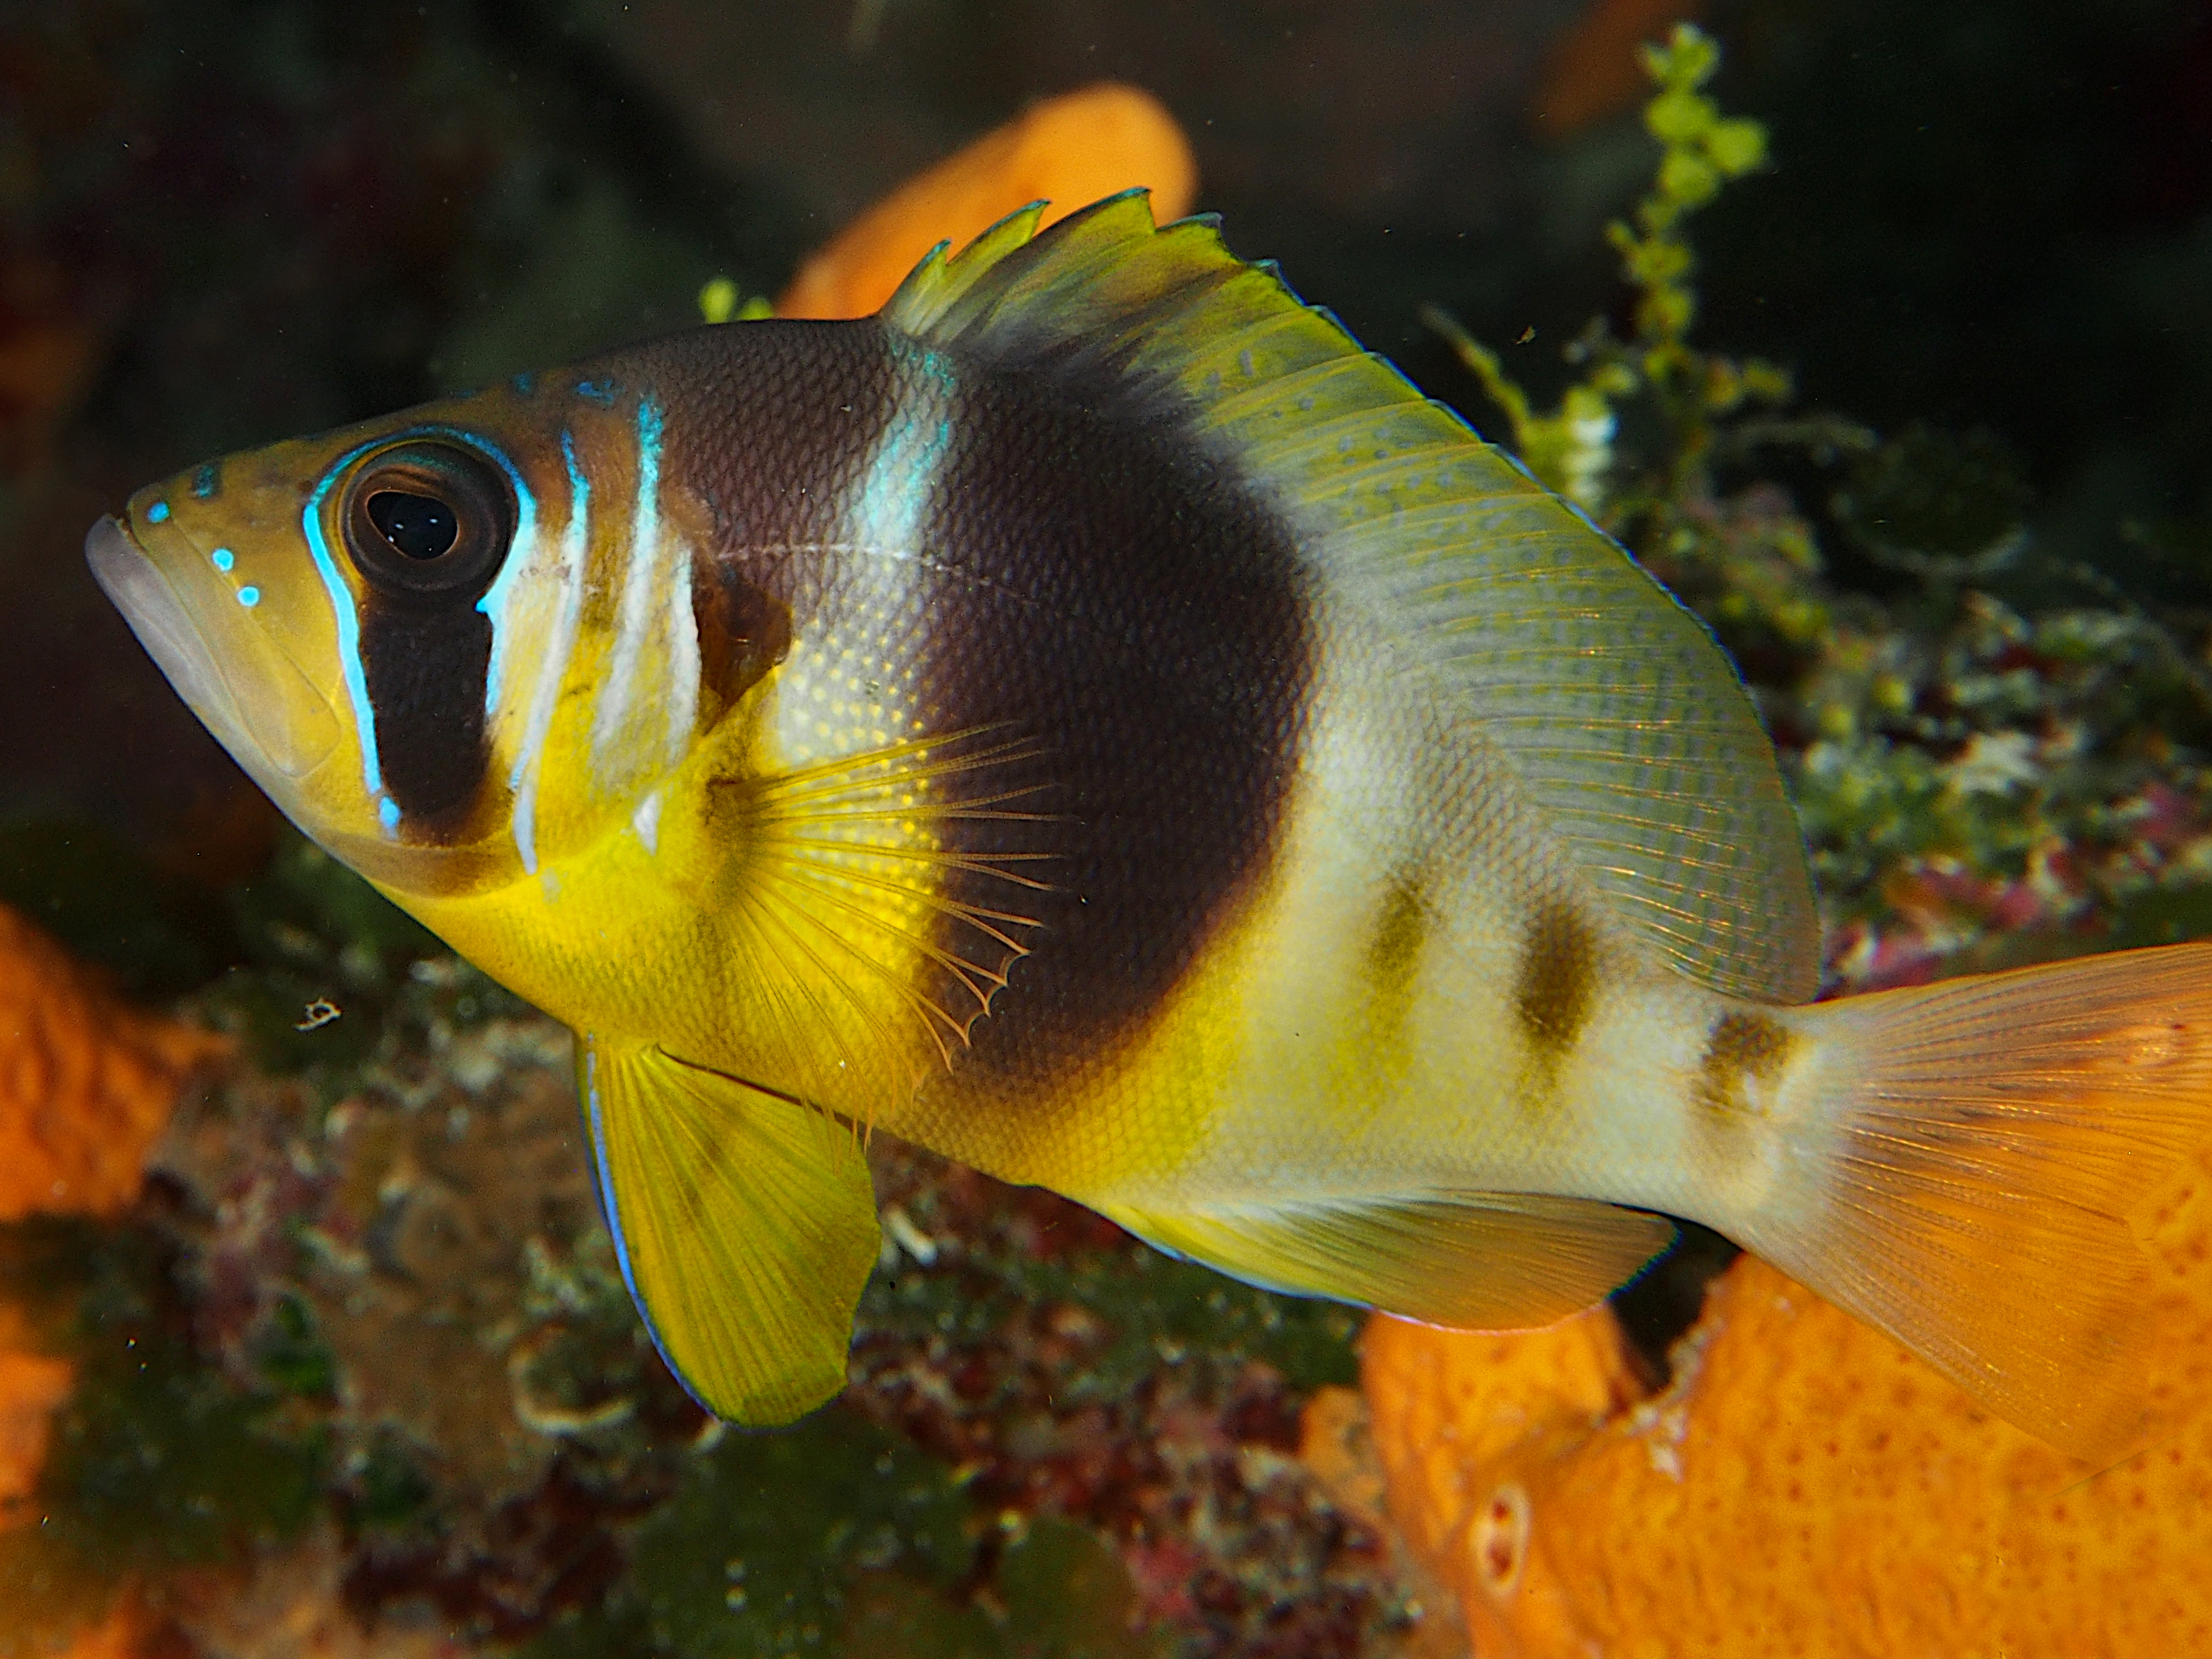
1802	1486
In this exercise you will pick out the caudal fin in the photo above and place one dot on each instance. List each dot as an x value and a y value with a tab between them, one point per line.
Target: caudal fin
1969	1164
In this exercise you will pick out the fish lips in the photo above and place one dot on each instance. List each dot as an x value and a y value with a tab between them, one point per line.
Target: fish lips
243	687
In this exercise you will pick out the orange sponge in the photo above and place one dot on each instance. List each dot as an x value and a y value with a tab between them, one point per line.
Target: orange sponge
1069	150
86	1082
1805	1487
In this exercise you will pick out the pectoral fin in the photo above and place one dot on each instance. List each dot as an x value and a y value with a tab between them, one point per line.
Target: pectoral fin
744	1222
1477	1260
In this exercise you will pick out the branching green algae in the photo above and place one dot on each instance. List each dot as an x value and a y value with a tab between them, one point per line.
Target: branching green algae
1985	739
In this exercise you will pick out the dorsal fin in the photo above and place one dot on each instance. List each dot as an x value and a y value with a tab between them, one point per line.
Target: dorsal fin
1543	640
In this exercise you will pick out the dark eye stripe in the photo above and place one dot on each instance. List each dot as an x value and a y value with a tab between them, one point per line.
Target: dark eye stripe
424	757
426	672
429	640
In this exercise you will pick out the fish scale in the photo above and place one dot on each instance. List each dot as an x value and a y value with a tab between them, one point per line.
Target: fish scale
1097	720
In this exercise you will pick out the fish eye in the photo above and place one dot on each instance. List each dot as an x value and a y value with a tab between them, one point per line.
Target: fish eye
428	520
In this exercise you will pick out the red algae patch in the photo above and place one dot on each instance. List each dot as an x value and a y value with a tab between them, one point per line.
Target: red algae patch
1804	1486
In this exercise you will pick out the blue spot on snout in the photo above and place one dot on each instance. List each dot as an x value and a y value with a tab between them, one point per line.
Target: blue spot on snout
249	597
224	558
157	512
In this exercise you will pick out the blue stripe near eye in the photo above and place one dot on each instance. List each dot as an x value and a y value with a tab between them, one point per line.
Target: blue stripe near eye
348	620
206	481
493	605
648	459
580	488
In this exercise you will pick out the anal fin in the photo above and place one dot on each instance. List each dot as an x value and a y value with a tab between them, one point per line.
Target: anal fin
745	1225
1476	1260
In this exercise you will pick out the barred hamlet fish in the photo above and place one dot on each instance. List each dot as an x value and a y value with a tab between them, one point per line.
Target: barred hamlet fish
1095	720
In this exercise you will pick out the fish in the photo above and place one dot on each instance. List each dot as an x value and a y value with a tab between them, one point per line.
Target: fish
1095	720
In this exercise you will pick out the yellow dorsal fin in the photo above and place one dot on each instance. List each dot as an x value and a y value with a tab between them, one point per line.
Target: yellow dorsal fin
1546	644
745	1225
1475	1261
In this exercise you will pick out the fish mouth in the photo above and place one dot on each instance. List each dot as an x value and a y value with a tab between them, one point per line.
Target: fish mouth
244	689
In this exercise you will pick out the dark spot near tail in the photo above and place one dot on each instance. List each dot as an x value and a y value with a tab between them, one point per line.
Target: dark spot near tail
1558	983
1741	1046
1393	958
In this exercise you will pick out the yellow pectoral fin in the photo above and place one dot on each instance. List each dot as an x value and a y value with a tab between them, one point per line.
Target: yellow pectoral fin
745	1225
1477	1260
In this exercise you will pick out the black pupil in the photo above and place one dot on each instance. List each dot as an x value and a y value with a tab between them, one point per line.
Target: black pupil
420	526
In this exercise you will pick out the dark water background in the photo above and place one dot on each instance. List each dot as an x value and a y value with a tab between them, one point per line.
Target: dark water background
221	224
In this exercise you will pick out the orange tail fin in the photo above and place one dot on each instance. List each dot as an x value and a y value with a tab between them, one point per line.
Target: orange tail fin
1968	1163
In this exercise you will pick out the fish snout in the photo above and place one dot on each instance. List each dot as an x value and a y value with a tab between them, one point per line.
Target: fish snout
241	684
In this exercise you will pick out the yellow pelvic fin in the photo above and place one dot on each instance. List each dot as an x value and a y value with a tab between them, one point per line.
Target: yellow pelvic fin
745	1223
1542	640
1990	1141
1477	1261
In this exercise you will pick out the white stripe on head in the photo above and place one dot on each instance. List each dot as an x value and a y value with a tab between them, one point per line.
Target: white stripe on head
611	719
848	688
553	668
